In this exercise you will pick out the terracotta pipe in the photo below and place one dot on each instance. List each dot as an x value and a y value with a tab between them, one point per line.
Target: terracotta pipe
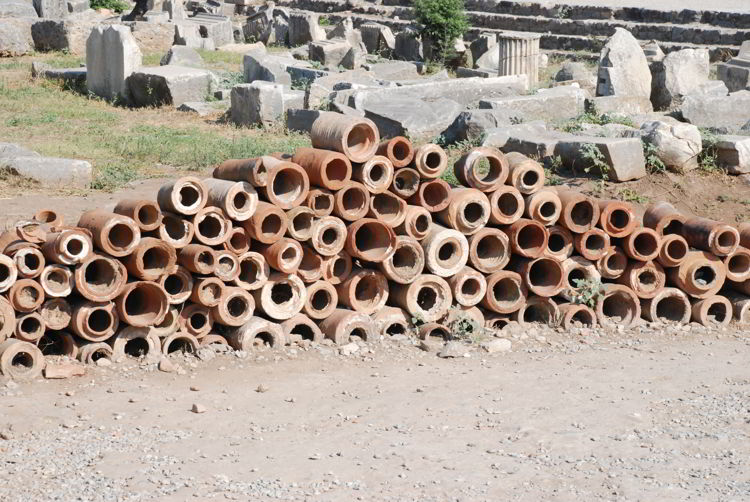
376	175
573	315
390	321
56	281
405	182
281	296
94	321
320	201
300	224
267	225
700	275
712	311
617	306
311	267
178	284
740	306
254	271
577	268
525	174
67	247
300	329
433	330
506	292
559	243
142	304
114	234
51	218
616	218
343	324
364	290
170	324
254	333
90	353
284	255
542	276
26	295
430	161
446	251
406	263
592	244
196	319
249	170
496	322
238	199
56	313
321	301
209	340
388	208
664	218
236	307
7	319
507	205
184	196
537	309
20	360
207	291
211	226
58	343
337	268
398	150
645	278
151	259
197	258
484	168
355	137
468	211
324	168
673	249
460	313
32	231
183	343
489	250
743	228
528	238
428	298
351	202
287	183
668	305
227	266
709	235
238	241
100	278
8	273
28	258
433	195
737	265
543	206
175	230
136	342
7	238
416	224
468	287
580	212
29	327
612	265
328	236
370	240
145	213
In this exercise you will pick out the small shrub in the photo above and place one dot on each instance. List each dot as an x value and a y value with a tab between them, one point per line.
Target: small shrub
114	5
552	166
594	159
443	21
324	21
587	291
653	163
465	328
708	159
630	195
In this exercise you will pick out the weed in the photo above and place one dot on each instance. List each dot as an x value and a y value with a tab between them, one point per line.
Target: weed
708	158
114	5
465	328
592	116
552	166
654	164
594	159
630	195
324	21
110	177
587	291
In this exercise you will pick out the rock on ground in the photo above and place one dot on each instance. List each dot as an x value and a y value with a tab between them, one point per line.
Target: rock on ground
112	55
623	69
676	144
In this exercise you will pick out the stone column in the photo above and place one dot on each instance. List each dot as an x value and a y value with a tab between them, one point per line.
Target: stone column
519	53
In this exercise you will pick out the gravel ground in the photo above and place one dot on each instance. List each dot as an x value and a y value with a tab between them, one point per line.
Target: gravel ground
652	413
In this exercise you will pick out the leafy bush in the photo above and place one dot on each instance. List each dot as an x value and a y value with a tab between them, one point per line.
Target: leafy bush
587	291
443	21
594	159
653	163
115	5
708	158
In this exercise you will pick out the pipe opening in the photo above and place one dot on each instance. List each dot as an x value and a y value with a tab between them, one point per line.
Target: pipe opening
499	323
175	228
211	292
155	259
487	169
271	225
645	244
330	235
22	360
470	287
237	306
281	293
336	170
619	219
198	321
74	246
353	199
53	344
548	210
4	272
582	317
648	280
671	308
372	241
206	258
289	255
677	249
386	205
287	185
396	328
31	261
717	312
182	345
45	216
99	354
136	347
57	280
616	263
438	332
143	304
302	222
556	242
530	178
360	139
406	180
427	297
241	201
225	266
321	202
263	339
545	273
448	254
304	331
506	291
120	236
31	326
169	319
340	268
377	172
704	276
673	227
99	321
360	333
211	226
422	223
147	215
507	203
595	242
582	213
538	312
28	296
432	160
249	271
321	299
435	194
473	212
174	284
490	251
577	274
531	238
738	264
367	291
617	307
189	196
405	259
400	150
727	239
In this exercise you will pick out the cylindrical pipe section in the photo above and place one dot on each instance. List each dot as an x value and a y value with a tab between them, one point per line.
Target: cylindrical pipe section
740	306
709	235
645	278
254	333
197	258
51	218
145	213
227	266
591	244
90	353
211	226
249	170
506	292
324	168
668	305
238	241
406	263
391	321
577	270
136	342
612	264
543	206
428	298
300	224
311	267
507	205
579	213
388	208
300	329
55	312
281	297
57	281
542	276
559	243
528	238
430	160
738	265
355	137
320	201
376	174
100	278
115	234
328	235
58	343
673	249
365	291
337	268
254	271
95	321
29	327
236	306
468	286
700	275
184	343
712	311
525	174
344	324
433	195
178	284
351	202
489	250
196	319
468	211
20	360
537	310
207	291
175	230
284	255
405	182
151	259
398	150
267	225
617	306
321	301
184	196
617	218
26	295
67	247
287	183
8	273
370	240
28	258
238	199
576	315
484	168
416	224
446	251
142	304
664	218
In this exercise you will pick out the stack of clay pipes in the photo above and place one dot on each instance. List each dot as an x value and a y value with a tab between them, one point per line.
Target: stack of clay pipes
353	238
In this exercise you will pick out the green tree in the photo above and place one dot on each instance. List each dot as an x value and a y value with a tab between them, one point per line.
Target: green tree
443	22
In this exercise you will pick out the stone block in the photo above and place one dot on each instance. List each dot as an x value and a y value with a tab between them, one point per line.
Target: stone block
68	35
735	74
301	120
112	55
420	120
51	9
219	28
622	105
17	8
723	113
78	6
623	68
378	38
558	103
395	70
182	56
345	29
462	72
11	150
15	36
156	17
623	156
329	53
189	34
242	48
204	108
498	137
74	78
483	43
472	125
734	153
304	27
175	9
170	85
680	73
409	45
49	171
319	92
535	144
258	103
676	144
